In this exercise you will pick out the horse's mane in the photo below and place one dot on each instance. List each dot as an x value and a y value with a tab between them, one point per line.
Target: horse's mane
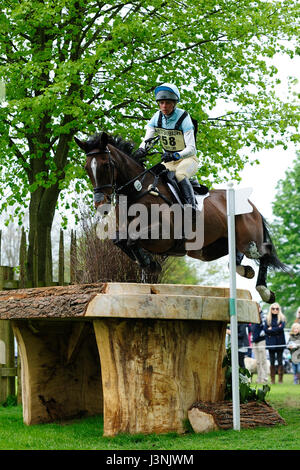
117	141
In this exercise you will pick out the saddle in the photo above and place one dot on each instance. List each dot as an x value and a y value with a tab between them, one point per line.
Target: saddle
169	178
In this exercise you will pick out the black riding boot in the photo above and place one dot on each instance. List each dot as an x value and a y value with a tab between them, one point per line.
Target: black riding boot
187	192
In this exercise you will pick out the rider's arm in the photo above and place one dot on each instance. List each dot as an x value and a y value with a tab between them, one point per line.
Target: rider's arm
190	145
150	132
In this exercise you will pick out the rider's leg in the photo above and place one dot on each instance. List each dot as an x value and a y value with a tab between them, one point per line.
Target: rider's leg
187	168
187	192
184	169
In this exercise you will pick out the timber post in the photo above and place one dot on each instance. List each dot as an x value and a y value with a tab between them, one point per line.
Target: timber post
61	260
8	370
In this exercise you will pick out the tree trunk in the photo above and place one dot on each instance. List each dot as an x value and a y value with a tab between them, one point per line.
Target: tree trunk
41	213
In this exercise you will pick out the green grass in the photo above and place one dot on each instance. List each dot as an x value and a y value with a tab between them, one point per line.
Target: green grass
87	434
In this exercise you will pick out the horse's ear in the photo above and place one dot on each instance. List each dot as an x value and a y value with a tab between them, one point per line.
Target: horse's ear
81	144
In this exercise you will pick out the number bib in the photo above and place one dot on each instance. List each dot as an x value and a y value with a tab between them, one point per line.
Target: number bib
172	140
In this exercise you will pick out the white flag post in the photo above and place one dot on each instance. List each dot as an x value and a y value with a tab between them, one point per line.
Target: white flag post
237	203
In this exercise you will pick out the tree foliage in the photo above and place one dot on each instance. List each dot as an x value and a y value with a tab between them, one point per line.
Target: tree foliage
286	227
72	67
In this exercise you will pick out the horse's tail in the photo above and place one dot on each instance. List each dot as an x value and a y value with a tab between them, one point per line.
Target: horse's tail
271	259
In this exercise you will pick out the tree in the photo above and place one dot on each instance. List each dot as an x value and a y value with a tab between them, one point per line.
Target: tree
72	66
286	226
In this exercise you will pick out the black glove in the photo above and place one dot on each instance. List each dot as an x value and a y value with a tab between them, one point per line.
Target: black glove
140	154
170	157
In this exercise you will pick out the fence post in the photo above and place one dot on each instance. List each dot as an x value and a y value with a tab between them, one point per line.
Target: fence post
7	370
61	260
22	260
73	258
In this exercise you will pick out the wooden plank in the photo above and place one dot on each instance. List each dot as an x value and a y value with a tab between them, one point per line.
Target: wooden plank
173	289
170	307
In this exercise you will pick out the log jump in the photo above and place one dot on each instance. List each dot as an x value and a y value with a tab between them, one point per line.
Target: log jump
141	354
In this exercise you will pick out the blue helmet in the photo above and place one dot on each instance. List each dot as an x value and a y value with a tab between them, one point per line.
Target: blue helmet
167	91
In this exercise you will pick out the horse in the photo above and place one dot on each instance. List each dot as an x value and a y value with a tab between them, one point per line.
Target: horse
113	172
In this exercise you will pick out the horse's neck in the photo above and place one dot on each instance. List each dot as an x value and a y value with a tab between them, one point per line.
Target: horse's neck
128	168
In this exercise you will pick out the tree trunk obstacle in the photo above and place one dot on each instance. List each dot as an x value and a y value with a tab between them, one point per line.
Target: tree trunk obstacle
140	353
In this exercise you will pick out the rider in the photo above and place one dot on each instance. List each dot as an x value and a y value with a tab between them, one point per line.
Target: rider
176	131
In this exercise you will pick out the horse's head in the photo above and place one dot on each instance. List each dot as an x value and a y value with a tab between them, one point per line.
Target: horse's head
99	166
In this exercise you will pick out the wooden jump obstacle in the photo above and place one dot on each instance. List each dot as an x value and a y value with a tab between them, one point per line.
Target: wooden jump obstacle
140	353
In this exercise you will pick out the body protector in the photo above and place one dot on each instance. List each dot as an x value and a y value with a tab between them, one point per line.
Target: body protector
172	140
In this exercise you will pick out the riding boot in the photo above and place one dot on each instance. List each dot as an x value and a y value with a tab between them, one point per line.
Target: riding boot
187	192
280	374
272	374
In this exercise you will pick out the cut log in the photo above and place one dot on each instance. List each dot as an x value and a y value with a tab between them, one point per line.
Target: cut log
206	416
48	302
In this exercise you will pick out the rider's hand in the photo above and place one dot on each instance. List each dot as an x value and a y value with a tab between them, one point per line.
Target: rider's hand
140	154
170	157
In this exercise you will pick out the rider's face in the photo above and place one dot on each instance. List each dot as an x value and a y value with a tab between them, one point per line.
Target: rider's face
166	106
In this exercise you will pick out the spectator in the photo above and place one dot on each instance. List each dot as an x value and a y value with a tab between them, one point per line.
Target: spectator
294	346
259	349
243	343
275	340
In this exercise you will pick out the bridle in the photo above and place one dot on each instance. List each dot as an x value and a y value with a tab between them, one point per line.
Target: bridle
133	184
112	184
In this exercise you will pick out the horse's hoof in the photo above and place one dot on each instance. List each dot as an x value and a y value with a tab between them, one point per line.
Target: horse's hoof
266	295
249	272
272	298
245	271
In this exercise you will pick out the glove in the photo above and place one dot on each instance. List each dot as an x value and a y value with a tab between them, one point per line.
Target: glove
140	154
170	157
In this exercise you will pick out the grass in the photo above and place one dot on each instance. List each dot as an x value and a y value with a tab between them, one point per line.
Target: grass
86	434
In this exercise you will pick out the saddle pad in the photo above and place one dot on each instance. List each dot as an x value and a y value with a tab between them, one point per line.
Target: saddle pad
199	198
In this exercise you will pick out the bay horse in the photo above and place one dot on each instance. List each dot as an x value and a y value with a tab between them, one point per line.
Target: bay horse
113	171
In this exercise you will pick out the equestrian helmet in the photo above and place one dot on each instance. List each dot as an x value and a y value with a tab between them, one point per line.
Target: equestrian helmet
167	91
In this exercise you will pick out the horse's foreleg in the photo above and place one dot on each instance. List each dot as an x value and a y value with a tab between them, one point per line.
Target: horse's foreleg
137	253
261	283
